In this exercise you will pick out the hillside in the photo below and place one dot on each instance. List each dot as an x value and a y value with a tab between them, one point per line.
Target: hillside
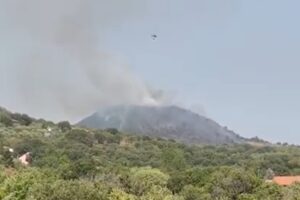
169	122
70	163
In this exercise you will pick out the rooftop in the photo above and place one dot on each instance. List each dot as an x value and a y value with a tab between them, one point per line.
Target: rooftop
286	180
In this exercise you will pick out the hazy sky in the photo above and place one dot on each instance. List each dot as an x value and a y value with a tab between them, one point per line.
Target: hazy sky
238	59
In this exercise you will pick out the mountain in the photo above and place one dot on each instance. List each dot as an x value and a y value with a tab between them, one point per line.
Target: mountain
169	122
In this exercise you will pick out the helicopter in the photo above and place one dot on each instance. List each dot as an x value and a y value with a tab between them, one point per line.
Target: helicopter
154	37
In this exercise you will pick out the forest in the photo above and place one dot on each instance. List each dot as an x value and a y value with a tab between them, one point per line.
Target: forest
72	163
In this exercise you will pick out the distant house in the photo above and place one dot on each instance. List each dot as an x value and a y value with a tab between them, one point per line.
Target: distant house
25	159
286	180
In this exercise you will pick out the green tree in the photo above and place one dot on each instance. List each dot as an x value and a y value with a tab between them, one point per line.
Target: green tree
113	131
23	119
17	187
292	193
30	144
174	159
143	179
190	192
160	193
118	194
177	181
26	120
6	120
231	182
64	126
247	197
68	190
81	136
7	159
269	191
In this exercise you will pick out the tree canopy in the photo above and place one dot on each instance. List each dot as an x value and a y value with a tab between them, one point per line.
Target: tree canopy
85	164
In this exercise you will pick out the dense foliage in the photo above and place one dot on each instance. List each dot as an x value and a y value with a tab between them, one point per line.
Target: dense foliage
69	163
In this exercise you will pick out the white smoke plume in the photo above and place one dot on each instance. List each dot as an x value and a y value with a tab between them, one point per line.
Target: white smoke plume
60	67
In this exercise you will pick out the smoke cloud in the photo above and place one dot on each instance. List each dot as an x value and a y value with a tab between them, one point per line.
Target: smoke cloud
60	67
